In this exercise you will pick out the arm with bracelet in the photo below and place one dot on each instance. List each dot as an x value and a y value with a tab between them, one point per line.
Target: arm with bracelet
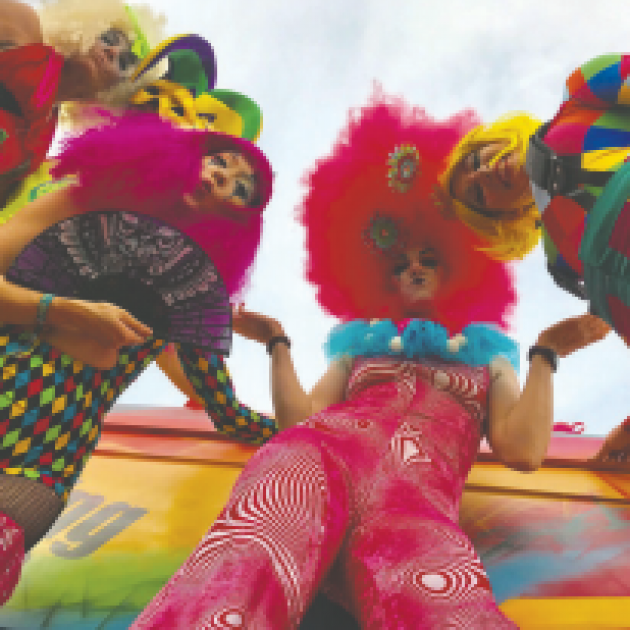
40	321
291	403
92	332
520	423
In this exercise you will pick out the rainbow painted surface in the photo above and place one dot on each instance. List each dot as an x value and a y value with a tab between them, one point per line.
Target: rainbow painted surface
556	543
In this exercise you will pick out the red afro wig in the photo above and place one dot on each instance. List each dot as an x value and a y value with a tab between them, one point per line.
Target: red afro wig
141	163
347	189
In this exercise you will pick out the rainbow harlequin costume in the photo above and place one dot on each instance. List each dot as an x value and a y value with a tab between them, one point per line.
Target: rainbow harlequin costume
594	123
207	372
192	71
51	406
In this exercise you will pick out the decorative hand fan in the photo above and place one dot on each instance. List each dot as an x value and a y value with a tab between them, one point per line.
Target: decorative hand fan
139	263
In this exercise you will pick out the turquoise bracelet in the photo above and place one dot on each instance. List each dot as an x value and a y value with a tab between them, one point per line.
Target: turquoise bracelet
42	312
26	345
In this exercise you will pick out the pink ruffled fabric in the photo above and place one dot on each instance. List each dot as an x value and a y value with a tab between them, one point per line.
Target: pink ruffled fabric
361	500
11	556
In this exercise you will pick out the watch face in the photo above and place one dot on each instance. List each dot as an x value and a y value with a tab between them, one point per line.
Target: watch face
546	353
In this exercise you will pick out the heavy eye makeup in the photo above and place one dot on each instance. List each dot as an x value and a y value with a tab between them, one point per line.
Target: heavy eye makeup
429	262
242	191
476	191
401	266
243	186
113	37
127	60
476	160
219	160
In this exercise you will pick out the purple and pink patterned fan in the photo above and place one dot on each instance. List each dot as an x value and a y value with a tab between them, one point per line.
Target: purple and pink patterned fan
139	263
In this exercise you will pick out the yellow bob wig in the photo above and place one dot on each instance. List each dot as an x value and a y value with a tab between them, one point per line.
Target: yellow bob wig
508	238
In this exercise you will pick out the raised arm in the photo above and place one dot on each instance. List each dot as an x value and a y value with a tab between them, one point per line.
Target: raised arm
205	378
520	423
211	383
292	404
601	81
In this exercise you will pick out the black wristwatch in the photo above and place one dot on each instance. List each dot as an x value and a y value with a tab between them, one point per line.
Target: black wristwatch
546	353
277	339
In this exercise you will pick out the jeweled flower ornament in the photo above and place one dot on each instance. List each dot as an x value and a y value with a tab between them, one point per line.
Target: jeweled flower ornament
404	166
382	234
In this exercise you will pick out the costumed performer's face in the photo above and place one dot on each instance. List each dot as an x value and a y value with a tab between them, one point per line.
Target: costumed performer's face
108	62
418	274
19	25
225	177
499	188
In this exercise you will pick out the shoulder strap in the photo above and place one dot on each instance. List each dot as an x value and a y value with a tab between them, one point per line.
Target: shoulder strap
568	281
558	174
8	102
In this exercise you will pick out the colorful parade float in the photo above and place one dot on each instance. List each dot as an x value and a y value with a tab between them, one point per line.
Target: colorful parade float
554	542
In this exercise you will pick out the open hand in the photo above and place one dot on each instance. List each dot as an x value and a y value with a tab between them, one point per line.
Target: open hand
111	326
254	326
573	333
85	349
615	451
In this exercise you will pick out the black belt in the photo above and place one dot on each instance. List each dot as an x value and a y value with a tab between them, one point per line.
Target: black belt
568	280
558	174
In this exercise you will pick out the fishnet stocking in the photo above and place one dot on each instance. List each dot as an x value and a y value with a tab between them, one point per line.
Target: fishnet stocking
32	505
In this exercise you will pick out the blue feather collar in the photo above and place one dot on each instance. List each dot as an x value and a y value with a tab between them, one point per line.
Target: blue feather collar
476	345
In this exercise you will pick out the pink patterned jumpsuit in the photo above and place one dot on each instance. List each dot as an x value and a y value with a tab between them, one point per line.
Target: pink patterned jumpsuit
360	500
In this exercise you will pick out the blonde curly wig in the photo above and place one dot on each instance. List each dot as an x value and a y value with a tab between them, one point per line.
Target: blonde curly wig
73	26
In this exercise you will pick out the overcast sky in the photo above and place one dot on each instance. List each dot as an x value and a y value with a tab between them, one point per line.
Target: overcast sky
306	62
